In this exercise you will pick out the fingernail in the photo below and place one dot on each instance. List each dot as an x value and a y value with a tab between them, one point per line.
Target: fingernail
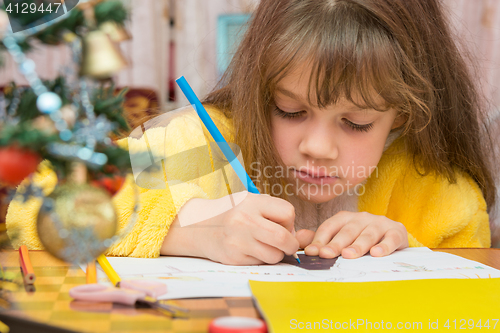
311	248
377	251
351	252
328	251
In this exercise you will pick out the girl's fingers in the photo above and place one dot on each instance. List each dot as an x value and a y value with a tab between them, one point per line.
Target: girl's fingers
277	210
305	237
275	236
345	237
354	234
256	245
326	231
393	240
265	253
370	236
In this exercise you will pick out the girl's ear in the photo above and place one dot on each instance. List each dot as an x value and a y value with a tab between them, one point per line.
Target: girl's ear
399	121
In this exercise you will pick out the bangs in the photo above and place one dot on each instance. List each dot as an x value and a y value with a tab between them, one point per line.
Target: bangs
349	54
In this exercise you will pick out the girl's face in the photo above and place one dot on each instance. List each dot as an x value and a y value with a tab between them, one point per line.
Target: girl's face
327	151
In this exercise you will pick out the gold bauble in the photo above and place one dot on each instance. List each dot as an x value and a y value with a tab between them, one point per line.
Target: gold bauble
101	57
77	222
45	124
69	113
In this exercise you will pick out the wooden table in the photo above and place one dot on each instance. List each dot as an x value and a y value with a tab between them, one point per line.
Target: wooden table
51	304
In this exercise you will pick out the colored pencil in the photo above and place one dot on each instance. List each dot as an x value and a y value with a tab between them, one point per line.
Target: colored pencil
219	139
110	272
216	134
295	255
26	267
91	272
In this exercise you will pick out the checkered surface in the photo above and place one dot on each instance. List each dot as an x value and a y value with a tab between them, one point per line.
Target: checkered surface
51	304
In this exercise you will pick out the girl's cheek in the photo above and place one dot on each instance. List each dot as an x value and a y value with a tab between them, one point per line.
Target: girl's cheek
360	162
278	139
285	140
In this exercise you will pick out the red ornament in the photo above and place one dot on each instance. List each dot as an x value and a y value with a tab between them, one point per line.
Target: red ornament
111	184
16	164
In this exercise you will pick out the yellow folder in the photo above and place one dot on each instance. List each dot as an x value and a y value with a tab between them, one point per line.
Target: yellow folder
443	305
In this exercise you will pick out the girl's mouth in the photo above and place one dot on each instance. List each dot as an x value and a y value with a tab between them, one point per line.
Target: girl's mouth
313	178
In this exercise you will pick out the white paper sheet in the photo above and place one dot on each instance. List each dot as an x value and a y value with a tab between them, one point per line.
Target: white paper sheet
192	277
411	264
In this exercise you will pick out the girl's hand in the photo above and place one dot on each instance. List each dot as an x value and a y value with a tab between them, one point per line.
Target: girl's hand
354	234
256	231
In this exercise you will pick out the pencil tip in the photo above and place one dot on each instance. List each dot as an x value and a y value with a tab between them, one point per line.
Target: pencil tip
298	260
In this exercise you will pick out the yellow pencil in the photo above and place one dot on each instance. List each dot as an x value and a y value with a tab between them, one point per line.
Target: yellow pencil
110	272
91	272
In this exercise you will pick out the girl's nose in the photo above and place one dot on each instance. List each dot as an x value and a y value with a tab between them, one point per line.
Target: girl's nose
319	143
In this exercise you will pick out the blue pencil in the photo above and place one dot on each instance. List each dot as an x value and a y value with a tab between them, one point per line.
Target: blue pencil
219	139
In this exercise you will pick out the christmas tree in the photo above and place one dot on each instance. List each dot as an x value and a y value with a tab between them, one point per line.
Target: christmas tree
70	123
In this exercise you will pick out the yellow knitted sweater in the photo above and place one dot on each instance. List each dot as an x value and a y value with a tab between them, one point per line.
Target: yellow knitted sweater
435	212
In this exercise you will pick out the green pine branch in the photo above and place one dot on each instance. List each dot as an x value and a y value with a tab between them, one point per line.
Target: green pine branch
25	135
111	10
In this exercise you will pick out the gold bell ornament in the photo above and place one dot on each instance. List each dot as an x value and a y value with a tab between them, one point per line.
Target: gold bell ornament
77	222
101	57
116	32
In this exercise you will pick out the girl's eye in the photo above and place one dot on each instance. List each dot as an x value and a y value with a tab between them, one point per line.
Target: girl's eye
357	127
287	115
294	115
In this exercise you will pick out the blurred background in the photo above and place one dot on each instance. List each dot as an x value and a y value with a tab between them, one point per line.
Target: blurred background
193	38
170	38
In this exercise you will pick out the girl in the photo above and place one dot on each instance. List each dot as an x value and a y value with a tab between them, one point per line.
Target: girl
360	121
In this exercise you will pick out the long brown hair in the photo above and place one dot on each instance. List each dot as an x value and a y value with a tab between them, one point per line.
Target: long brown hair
403	50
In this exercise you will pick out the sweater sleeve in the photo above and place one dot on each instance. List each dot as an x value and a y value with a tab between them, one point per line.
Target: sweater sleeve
413	242
472	228
21	217
159	203
440	214
155	215
435	212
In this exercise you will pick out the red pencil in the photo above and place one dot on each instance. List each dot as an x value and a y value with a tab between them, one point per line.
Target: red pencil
25	263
